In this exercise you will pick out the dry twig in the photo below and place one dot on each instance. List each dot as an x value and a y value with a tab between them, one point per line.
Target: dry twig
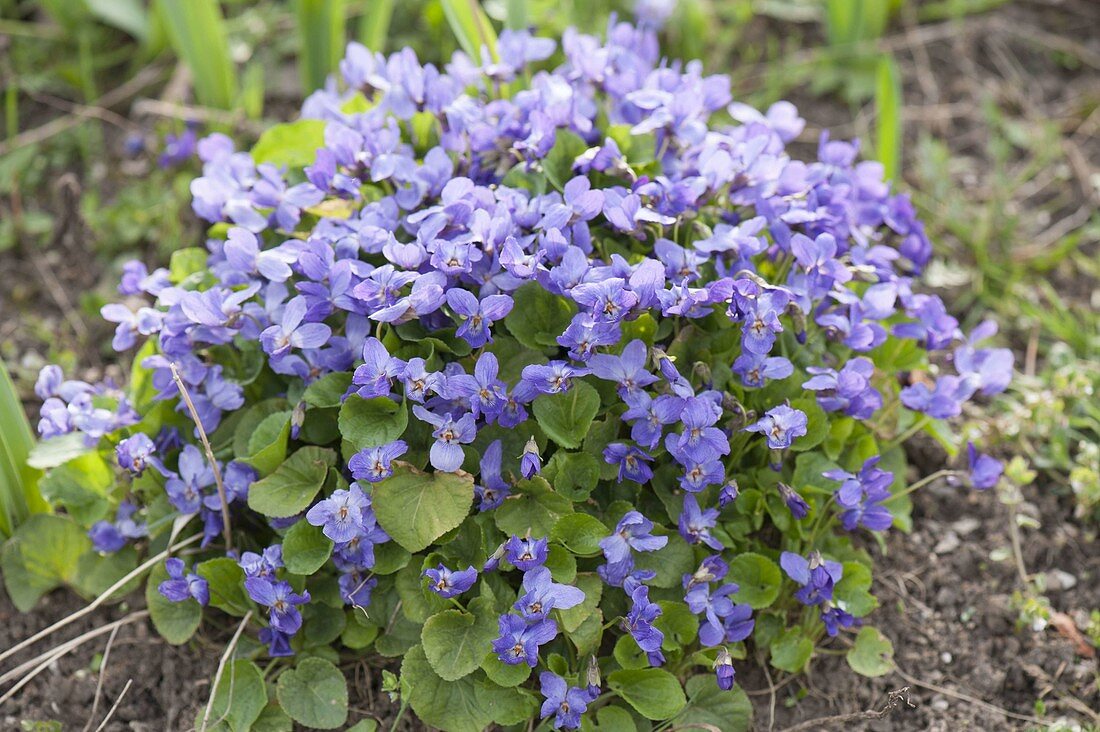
144	78
221	669
102	676
111	711
966	698
90	607
227	530
893	700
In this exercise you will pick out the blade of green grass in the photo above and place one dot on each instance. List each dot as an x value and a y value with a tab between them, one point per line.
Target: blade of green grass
19	496
320	39
888	117
126	15
471	27
196	30
516	17
375	24
841	19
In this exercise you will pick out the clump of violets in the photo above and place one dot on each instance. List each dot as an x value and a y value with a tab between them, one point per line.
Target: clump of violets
559	348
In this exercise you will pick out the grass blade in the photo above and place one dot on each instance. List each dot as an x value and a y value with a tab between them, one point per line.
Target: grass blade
516	18
320	40
888	122
19	496
196	30
471	27
375	24
126	15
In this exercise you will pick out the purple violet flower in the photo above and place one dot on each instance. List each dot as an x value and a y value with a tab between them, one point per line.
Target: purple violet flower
780	425
182	585
448	583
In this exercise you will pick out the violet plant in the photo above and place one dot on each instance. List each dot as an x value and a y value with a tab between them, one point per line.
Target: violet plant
554	375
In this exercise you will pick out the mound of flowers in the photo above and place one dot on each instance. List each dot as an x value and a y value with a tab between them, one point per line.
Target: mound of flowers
552	373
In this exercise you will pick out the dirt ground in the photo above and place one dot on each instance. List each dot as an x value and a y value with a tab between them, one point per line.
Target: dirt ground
945	603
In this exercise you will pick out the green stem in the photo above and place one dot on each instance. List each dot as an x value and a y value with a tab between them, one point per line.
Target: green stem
914	429
400	713
924	481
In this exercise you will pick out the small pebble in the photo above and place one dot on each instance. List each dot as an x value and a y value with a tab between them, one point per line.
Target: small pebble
947	544
940	704
1059	580
966	526
946	657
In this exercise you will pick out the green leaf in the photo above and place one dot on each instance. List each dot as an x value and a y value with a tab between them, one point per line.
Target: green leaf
470	704
580	533
249	422
589	635
558	163
417	508
328	391
533	505
273	719
817	424
305	548
322	624
566	417
873	653
239	699
653	692
454	641
293	144
226	580
372	422
671	562
19	496
573	474
197	32
729	711
175	621
83	486
43	553
809	470
96	573
628	654
539	316
357	636
562	564
759	579
364	725
291	488
267	444
504	674
611	719
678	623
592	587
398	638
852	591
314	694
792	650
471	27
57	451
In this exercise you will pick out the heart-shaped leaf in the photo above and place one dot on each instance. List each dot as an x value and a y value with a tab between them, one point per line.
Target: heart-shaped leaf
314	694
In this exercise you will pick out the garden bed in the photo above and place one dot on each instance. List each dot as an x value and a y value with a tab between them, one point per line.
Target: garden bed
945	604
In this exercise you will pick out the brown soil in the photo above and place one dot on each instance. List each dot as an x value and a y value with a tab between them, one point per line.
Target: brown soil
947	608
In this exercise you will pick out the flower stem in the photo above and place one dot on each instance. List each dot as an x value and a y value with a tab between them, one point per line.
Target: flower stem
923	482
